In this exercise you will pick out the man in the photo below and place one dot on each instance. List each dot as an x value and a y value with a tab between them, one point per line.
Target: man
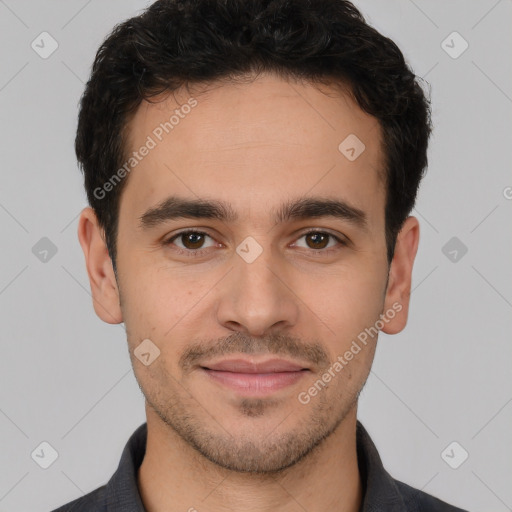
251	168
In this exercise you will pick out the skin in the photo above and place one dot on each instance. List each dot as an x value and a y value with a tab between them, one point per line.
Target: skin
254	145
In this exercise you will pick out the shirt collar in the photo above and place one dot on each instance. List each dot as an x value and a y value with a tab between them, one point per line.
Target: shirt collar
122	491
380	491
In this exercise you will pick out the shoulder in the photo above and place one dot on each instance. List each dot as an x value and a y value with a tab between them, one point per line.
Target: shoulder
419	501
93	501
382	491
120	493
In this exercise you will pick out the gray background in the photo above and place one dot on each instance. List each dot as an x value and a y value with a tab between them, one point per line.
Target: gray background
66	376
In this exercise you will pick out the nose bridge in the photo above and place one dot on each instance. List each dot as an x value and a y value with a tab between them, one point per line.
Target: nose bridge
256	298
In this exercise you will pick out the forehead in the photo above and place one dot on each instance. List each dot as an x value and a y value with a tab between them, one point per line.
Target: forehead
252	142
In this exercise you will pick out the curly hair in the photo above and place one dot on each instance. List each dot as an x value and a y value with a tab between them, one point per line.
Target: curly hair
173	43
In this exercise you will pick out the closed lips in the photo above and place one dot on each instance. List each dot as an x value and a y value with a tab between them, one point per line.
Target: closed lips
247	366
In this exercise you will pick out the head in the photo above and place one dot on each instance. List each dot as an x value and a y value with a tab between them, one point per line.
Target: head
292	138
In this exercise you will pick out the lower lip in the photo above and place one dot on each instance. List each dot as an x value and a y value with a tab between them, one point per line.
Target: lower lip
256	384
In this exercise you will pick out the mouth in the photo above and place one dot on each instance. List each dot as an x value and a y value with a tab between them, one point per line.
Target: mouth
255	378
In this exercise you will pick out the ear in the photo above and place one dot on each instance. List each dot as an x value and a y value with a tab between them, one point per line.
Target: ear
104	289
400	274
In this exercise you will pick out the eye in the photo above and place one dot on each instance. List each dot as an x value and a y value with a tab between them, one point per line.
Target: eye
320	240
191	241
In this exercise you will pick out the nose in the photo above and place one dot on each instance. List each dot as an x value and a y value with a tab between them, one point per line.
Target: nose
258	297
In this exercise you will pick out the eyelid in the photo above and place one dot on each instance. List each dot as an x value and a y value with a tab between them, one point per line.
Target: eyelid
169	241
337	235
341	239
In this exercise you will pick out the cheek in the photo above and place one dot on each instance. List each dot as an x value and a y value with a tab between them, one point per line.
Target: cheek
351	301
160	305
150	305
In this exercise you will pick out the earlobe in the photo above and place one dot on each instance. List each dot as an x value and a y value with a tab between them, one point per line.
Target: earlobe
104	289
400	275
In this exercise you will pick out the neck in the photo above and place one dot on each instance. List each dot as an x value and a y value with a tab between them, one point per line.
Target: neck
175	477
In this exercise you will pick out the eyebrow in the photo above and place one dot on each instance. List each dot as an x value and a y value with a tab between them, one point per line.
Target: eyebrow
175	207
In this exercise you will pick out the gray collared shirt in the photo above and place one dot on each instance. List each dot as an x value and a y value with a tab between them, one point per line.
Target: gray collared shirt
382	493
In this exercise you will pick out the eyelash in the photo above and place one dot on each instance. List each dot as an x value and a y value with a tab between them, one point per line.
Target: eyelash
199	252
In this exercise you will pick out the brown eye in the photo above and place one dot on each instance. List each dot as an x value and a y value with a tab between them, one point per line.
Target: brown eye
317	240
190	241
320	242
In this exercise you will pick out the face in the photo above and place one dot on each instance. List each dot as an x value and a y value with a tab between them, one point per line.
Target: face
252	256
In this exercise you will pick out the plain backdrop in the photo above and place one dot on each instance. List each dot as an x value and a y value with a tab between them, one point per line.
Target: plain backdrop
66	376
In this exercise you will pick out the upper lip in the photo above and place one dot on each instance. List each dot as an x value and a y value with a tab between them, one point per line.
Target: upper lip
251	366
